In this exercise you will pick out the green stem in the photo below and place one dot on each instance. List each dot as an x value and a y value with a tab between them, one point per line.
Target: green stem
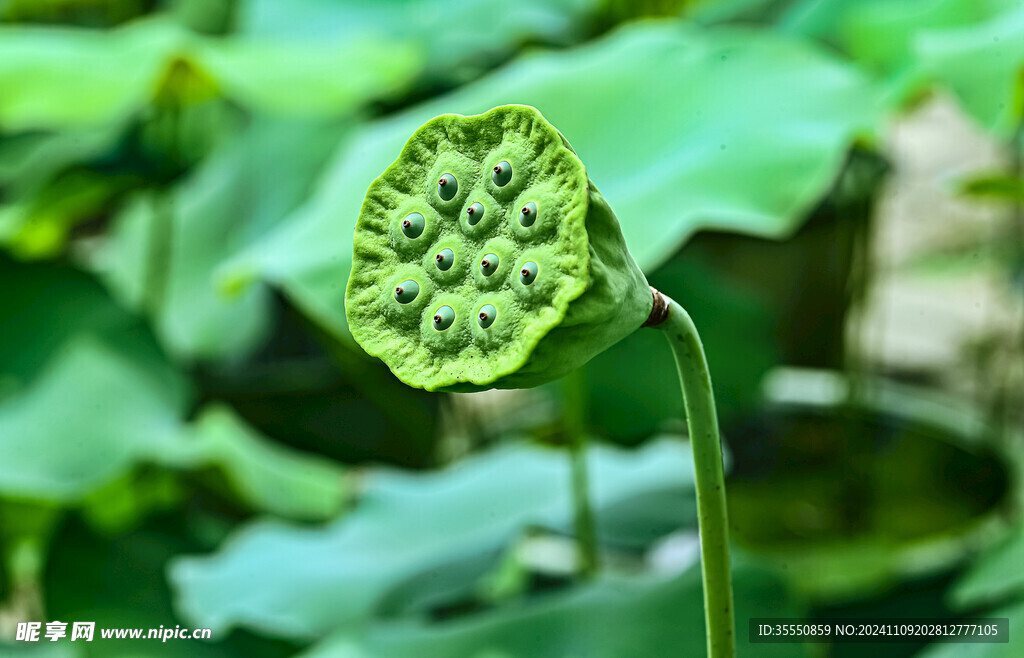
702	421
574	391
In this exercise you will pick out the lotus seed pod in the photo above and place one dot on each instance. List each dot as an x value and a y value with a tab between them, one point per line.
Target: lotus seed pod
523	271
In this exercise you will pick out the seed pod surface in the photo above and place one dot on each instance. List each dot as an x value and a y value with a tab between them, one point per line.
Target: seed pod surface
500	349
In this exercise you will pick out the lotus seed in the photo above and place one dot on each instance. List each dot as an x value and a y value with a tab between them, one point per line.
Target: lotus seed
489	264
487	315
413	225
443	318
444	259
407	291
447	187
529	273
475	213
502	173
528	215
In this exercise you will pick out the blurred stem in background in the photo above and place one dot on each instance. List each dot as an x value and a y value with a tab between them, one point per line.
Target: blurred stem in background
24	545
158	262
702	421
575	410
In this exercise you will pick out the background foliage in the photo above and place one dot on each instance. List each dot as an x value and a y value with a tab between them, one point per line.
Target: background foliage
189	435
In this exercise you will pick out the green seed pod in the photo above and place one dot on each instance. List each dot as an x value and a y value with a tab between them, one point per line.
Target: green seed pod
559	286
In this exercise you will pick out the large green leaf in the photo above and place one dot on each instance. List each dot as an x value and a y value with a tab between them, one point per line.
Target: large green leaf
65	77
84	404
115	414
611	617
983	65
164	251
419	534
456	42
264	475
86	419
879	34
663	117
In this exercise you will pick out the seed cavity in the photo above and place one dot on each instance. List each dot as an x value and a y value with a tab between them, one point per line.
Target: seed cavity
407	291
489	264
502	173
413	225
447	187
443	318
475	213
528	215
444	259
529	273
486	315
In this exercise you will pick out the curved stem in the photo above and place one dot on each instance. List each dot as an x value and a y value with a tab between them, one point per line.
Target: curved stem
702	421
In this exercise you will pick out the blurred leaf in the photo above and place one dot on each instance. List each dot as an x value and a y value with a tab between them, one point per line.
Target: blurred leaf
445	529
39	227
124	503
50	305
266	476
879	34
114	414
994	576
456	44
634	387
712	12
72	78
28	160
118	582
164	251
983	65
1000	186
67	77
610	617
697	144
88	417
121	406
311	79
